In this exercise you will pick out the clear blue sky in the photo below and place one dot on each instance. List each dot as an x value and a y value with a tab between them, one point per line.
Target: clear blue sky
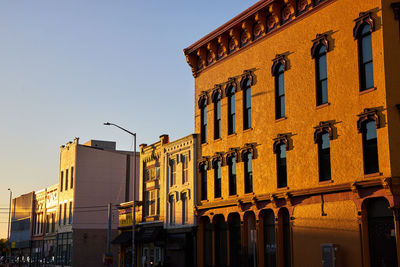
68	66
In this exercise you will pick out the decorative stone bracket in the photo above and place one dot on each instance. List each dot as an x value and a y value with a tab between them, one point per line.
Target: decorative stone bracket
364	17
320	39
370	114
280	59
325	126
283	139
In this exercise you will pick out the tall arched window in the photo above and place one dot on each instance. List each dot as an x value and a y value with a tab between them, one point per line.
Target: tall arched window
268	218
232	175
247	105
203	121
279	92
231	110
370	146
217	179
248	173
324	156
365	57
321	75
217	116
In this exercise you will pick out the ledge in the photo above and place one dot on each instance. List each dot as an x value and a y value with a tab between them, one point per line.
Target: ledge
376	174
281	119
323	105
366	91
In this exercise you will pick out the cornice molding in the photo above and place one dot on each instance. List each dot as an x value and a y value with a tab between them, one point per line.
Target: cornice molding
260	20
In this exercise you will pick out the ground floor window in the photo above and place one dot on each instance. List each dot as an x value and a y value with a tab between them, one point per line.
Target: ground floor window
64	249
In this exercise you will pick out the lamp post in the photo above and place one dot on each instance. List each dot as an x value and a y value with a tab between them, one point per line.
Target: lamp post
133	187
8	230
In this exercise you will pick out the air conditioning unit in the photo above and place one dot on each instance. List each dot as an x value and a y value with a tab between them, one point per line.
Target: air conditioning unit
329	252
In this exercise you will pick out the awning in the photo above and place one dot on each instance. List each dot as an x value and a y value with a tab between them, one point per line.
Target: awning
148	234
123	238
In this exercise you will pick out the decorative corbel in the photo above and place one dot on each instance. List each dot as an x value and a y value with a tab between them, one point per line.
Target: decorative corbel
240	205
387	186
233	152
260	25
191	60
204	161
274	11
354	188
222	49
247	75
246	34
201	58
364	17
288	199
303	6
320	39
288	11
212	52
218	156
254	201
234	43
273	199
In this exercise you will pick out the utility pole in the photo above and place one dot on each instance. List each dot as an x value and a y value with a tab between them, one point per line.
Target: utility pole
108	261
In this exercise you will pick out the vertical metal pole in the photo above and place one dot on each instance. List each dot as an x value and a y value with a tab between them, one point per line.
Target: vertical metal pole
8	230
133	201
109	229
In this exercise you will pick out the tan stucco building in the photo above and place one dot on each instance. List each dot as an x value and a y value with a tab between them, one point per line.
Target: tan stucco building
297	106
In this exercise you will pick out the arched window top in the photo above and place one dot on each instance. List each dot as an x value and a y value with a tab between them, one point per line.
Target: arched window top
203	101
216	94
231	87
279	65
232	153
369	114
320	45
325	127
282	139
217	159
245	83
364	25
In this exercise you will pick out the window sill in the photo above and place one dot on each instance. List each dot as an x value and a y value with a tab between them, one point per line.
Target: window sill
248	130
281	119
218	139
249	194
325	182
376	174
231	135
283	188
323	105
218	198
367	90
203	144
233	196
204	201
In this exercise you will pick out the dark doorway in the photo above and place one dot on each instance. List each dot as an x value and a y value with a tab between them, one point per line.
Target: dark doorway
268	218
382	242
235	252
220	241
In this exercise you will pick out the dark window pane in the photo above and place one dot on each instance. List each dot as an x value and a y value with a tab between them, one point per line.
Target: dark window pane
203	124
232	176
247	107
281	166
217	179
203	171
279	93
322	67
369	75
231	113
370	146
217	119
324	157
366	43
248	173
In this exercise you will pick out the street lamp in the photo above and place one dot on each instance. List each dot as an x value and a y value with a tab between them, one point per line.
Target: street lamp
133	187
9	219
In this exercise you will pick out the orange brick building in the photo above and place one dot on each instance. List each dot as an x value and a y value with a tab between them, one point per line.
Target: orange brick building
297	106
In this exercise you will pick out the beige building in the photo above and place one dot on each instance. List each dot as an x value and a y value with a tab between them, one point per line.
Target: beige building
92	175
180	172
38	226
49	238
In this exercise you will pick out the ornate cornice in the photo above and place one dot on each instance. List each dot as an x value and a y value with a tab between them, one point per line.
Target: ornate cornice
250	26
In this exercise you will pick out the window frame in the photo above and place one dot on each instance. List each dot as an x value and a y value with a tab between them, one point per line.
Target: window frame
367	151
281	176
203	177
320	140
203	121
363	63
279	72
231	110
246	108
217	115
232	164
217	179
320	90
248	172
